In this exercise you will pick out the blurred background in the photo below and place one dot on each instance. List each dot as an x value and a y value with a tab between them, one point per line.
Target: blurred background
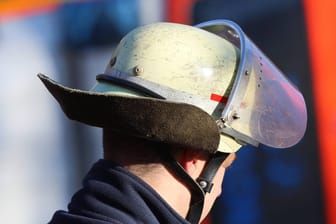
44	156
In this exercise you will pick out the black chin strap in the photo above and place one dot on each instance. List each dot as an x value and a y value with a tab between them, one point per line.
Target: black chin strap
210	170
197	189
197	194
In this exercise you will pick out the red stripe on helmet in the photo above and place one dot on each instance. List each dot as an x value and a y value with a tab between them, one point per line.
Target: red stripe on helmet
218	98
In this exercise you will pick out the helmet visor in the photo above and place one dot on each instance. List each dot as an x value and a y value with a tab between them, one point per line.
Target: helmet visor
264	106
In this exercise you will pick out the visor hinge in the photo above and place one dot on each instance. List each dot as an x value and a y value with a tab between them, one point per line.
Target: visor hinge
236	135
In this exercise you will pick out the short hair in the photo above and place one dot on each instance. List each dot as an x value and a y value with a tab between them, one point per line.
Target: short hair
130	150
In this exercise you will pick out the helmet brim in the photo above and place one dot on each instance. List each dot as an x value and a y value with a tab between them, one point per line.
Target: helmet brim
154	119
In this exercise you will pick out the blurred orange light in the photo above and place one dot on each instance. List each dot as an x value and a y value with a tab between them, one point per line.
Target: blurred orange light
320	18
16	8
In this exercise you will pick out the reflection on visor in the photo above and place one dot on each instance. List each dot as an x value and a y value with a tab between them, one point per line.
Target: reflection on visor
264	106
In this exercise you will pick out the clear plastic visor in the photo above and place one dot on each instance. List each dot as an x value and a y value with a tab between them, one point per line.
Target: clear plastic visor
264	106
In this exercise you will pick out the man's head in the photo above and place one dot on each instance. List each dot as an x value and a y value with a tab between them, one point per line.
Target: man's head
204	90
144	158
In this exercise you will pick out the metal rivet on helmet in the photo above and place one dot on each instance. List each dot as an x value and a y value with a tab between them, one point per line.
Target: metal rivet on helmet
138	70
113	61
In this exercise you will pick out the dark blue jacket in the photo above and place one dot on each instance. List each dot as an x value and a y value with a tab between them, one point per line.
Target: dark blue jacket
111	194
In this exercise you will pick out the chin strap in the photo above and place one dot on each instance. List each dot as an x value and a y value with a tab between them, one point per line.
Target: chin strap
197	194
210	170
197	188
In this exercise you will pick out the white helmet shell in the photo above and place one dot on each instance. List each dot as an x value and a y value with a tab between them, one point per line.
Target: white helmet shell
181	57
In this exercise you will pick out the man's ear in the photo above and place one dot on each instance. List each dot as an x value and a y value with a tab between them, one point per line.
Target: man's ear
193	161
